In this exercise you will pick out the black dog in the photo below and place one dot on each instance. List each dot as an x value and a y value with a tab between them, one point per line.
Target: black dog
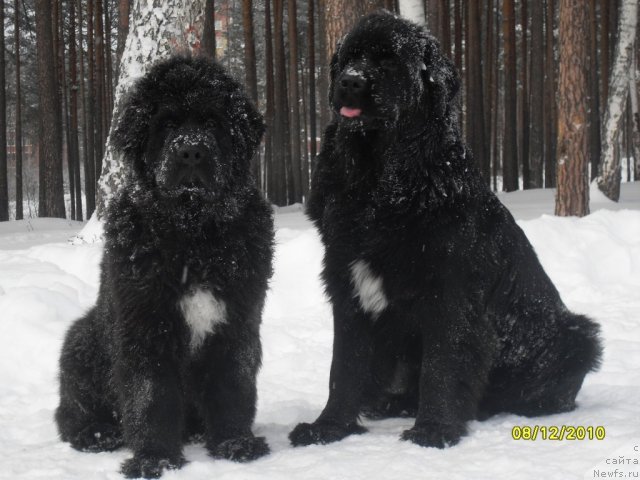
172	347
441	307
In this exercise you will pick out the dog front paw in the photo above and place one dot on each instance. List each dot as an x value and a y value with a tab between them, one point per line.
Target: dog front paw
98	437
240	449
435	435
322	433
141	466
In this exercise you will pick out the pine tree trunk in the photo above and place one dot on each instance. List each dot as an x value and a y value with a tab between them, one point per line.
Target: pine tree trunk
154	33
550	101
99	85
594	92
608	179
90	109
51	196
323	56
62	91
19	212
4	180
536	96
523	130
124	7
311	53
74	154
509	149
457	34
87	159
475	100
249	51
108	63
445	23
209	29
281	143
572	196
269	157
488	86
294	102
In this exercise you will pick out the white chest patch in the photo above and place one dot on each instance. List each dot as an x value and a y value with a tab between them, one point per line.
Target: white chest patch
202	311
368	288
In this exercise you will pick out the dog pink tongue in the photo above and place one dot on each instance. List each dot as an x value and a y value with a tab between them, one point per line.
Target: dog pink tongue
350	112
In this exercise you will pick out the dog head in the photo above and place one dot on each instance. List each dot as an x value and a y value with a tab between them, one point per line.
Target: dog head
386	68
187	125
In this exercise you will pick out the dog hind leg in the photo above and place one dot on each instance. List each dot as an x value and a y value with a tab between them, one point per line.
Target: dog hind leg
551	380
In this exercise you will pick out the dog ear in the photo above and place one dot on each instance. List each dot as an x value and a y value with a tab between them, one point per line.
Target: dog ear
129	136
251	124
440	76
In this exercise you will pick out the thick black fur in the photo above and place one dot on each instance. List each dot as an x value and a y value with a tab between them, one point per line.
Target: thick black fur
188	217
471	323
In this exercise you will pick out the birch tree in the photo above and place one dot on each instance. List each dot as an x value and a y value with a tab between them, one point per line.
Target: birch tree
413	10
157	29
608	179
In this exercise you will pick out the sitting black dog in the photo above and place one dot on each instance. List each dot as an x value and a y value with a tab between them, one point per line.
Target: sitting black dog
441	308
172	348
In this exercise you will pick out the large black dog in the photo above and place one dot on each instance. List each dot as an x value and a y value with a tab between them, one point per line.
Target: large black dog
172	347
441	307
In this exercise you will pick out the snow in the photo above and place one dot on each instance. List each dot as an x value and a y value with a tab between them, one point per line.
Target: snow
46	282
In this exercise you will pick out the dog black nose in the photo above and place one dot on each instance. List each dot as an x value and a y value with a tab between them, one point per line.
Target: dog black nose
352	84
190	155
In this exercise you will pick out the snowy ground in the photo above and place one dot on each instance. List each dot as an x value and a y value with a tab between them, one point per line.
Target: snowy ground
45	283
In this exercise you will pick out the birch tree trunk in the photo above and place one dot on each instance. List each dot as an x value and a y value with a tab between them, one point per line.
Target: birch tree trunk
635	117
608	179
157	29
413	10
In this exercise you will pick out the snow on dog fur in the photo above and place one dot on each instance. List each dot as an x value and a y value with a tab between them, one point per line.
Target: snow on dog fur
442	310
172	347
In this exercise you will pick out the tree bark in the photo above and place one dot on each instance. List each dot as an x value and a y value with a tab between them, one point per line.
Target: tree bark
608	179
572	196
4	180
594	92
100	104
51	192
209	29
414	10
74	154
523	129
124	7
19	209
281	141
509	149
294	102
154	33
323	57
550	101
108	66
475	91
536	96
311	53
445	25
87	151
605	47
635	117
90	110
269	157
249	50
457	33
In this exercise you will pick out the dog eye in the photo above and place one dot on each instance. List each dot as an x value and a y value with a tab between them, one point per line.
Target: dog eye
389	65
